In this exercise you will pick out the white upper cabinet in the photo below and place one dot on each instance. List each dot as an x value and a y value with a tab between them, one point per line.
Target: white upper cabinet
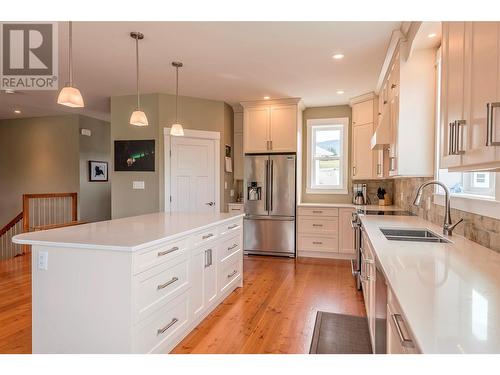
470	88
256	129
407	120
366	163
271	126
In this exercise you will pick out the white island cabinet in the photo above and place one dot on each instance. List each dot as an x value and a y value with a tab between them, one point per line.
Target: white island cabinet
132	285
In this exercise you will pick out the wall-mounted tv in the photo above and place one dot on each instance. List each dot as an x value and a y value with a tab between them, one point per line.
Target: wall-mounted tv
135	155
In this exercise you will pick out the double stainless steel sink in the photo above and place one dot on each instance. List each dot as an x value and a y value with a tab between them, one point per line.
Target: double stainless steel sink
412	235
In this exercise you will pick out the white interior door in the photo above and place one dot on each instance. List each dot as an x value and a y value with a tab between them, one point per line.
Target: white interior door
193	175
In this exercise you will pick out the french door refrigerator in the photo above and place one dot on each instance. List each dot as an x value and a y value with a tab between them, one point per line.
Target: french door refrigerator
269	223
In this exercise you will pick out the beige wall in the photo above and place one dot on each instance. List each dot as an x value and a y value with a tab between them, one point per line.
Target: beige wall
194	113
318	113
47	155
95	197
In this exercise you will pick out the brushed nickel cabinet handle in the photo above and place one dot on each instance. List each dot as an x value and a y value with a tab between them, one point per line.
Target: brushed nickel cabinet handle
354	171
458	138
169	282
317	212
232	274
406	342
207	236
490	119
162	330
232	247
317	243
162	253
378	168
232	226
450	138
317	225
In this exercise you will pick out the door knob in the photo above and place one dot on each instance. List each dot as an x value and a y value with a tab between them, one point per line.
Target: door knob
210	204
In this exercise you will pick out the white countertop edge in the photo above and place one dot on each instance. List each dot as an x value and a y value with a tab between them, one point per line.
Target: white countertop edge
145	245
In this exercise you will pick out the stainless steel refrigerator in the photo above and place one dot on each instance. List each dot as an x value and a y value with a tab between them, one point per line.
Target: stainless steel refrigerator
269	188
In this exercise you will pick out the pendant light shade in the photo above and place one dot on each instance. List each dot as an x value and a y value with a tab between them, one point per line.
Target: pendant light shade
177	130
138	117
70	96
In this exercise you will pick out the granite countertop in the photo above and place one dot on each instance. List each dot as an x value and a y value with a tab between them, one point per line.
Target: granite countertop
449	292
127	234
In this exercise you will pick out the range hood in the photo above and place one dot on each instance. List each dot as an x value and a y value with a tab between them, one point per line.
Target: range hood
382	135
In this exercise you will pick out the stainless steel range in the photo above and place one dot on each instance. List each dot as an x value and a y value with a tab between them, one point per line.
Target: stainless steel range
358	233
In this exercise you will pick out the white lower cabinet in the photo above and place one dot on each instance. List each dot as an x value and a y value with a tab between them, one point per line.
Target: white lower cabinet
204	278
399	338
325	232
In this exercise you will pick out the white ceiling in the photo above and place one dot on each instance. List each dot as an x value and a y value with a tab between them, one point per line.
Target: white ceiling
229	61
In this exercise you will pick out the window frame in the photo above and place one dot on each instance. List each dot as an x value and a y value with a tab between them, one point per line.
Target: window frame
343	123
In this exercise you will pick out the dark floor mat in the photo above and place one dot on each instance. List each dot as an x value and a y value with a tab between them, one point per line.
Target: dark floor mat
340	334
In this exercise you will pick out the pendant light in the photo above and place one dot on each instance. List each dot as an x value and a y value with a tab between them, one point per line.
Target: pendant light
177	129
138	117
70	96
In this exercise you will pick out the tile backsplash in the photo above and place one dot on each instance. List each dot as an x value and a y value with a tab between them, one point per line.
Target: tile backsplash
372	187
481	229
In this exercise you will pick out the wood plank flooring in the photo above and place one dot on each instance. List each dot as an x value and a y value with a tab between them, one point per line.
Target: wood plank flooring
273	313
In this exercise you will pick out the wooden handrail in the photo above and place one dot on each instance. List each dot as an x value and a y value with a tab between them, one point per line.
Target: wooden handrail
11	223
54	226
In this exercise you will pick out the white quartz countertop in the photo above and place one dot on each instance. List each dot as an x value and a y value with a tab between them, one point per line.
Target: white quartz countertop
127	234
351	205
449	292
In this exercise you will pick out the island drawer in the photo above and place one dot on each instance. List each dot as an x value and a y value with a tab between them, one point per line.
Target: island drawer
208	235
158	286
161	327
148	258
319	225
318	211
230	273
230	227
229	246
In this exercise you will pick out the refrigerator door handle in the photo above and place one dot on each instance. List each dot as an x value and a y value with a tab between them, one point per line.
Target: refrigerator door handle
266	191
271	184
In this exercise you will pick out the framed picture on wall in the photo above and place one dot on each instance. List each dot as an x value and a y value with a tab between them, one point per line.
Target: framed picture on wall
135	155
98	171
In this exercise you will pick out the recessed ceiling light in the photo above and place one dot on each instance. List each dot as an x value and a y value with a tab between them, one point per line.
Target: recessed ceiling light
17	111
338	56
340	92
432	35
267	97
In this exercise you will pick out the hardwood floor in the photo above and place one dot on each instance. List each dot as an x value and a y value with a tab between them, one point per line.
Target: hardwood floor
275	310
15	305
273	313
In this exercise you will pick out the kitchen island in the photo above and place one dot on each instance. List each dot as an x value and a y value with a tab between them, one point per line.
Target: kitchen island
442	297
131	285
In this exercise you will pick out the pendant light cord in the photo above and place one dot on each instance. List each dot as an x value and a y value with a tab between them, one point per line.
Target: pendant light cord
70	51
176	91
137	67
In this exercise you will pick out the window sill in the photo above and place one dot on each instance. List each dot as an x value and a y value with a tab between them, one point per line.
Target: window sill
326	191
479	205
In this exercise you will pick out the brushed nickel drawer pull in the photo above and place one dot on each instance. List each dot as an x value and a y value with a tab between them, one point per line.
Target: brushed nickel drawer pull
162	330
162	253
232	226
396	318
235	209
207	236
232	247
232	274
317	243
163	286
317	225
317	212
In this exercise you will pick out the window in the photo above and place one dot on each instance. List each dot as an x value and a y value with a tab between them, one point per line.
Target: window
327	156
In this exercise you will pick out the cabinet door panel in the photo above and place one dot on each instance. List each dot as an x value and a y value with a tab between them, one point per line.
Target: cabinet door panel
482	49
452	87
256	129
362	113
283	128
238	156
362	157
210	278
346	232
